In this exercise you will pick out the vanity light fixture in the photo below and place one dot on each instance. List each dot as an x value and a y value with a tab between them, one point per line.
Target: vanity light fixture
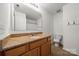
33	6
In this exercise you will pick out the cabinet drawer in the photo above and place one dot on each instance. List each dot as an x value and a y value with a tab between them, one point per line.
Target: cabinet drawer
17	51
34	52
37	43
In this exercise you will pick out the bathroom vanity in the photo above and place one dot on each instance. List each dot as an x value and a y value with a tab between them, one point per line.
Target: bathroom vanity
27	44
24	43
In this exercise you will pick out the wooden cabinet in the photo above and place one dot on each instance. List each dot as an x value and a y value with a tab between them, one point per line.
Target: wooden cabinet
40	47
46	49
33	52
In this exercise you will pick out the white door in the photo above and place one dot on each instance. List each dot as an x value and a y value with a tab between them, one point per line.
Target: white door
20	21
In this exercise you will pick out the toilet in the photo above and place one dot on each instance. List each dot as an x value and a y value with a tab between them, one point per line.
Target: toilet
58	40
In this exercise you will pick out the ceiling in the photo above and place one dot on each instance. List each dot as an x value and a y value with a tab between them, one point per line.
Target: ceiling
52	7
31	13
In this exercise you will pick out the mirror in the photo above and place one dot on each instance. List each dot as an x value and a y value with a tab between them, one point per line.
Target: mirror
25	18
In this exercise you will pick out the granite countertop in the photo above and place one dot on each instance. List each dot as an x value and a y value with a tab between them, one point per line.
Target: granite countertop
16	41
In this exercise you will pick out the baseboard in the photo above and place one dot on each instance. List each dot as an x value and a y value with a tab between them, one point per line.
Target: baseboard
73	51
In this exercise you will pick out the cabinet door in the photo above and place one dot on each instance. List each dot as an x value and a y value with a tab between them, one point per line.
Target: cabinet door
46	49
0	53
34	52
